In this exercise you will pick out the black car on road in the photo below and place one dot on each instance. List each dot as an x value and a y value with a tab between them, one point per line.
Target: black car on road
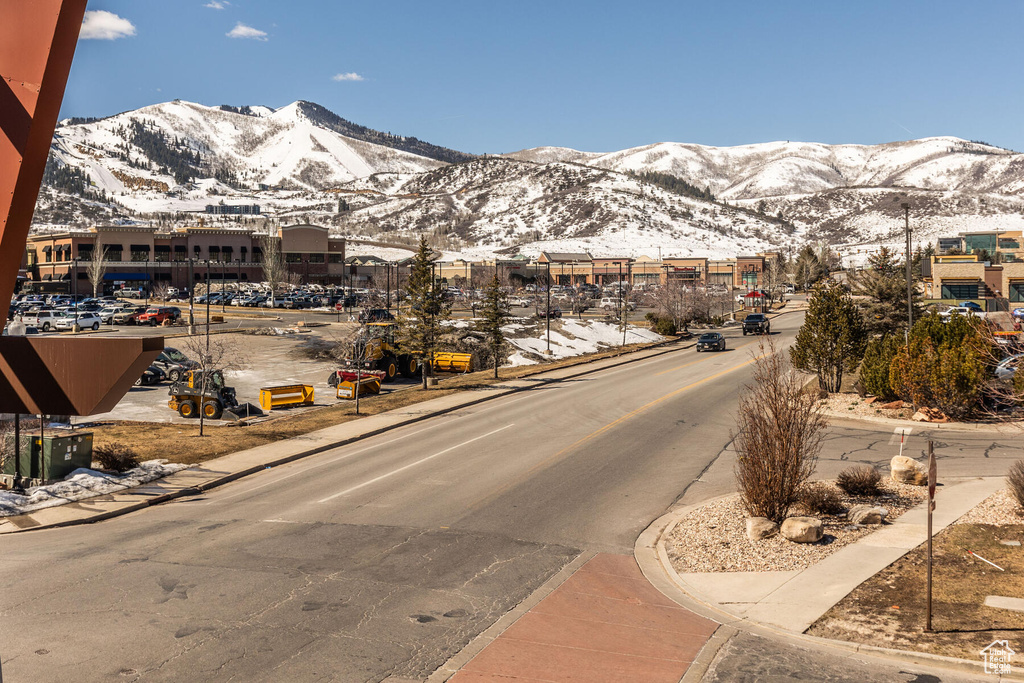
711	341
756	323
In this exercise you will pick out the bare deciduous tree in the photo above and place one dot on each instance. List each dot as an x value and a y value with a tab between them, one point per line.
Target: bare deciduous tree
274	270
781	428
208	354
682	302
95	268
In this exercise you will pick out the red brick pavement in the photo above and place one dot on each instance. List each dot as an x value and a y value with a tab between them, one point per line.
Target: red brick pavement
606	623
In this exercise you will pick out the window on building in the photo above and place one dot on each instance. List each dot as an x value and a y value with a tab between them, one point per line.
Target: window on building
293	258
180	252
1016	291
334	258
85	251
750	279
257	255
959	290
316	258
140	252
973	243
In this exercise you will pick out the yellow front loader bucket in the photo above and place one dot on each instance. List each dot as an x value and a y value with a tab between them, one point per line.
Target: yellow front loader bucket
453	362
287	395
368	386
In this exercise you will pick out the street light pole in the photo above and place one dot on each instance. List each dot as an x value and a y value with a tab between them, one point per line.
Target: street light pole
910	299
547	317
191	297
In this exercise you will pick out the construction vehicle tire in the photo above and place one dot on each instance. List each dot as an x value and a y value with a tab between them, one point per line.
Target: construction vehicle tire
187	408
332	379
408	366
212	410
389	364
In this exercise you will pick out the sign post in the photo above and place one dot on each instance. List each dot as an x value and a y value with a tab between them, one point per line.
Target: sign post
931	508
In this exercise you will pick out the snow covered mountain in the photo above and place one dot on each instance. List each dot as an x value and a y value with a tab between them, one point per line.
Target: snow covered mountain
300	146
302	162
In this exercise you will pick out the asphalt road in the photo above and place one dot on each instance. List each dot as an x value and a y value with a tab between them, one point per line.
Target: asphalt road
380	560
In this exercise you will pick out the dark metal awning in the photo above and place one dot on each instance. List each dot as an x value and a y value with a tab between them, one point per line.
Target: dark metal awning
163	249
180	248
125	276
47	248
140	247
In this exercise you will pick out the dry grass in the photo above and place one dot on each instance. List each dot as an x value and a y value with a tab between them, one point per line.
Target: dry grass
888	610
181	443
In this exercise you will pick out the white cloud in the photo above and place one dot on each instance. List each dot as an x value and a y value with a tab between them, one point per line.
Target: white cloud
102	25
217	4
242	31
350	76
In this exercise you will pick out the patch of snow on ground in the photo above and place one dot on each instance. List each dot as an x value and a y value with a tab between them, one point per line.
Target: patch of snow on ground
81	484
575	338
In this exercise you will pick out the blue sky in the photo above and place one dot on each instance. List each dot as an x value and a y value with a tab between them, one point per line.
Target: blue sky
596	76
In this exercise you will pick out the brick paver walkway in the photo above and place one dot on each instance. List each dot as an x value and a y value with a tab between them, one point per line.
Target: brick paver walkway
605	623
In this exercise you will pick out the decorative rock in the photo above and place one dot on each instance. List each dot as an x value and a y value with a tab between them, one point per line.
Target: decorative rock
906	470
927	414
1015	544
869	400
802	529
894	405
761	527
865	514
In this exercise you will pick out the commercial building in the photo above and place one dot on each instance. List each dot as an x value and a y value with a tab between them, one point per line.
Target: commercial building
145	257
963	277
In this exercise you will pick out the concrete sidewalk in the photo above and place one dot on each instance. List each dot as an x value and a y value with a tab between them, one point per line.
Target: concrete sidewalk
788	602
231	467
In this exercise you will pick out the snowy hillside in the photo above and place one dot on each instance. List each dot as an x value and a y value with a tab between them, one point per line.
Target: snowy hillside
509	205
785	168
140	151
304	163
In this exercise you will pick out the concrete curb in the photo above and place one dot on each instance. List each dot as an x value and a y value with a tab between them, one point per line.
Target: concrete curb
198	489
859	422
651	556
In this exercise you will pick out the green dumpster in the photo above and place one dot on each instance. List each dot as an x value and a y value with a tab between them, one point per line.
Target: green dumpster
62	455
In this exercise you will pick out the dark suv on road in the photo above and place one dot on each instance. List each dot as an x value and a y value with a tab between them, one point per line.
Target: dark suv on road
756	323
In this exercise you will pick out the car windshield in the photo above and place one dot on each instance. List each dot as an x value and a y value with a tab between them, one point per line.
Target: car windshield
755	317
175	355
711	336
152	310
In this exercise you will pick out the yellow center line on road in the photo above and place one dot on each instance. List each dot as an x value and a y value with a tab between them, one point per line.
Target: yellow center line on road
686	365
611	425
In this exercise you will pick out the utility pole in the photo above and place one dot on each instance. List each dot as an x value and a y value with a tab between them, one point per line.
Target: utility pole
191	297
547	317
910	286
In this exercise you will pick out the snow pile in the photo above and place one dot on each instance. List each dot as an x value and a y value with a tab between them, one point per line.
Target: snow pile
571	338
81	484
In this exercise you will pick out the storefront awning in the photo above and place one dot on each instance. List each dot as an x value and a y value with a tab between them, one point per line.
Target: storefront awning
125	276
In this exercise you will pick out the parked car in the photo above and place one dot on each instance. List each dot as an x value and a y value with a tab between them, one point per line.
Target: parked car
1007	367
174	363
86	321
555	312
711	341
519	302
157	314
375	315
128	316
44	320
151	375
107	314
611	303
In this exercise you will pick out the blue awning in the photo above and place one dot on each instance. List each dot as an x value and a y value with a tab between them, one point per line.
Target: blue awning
125	276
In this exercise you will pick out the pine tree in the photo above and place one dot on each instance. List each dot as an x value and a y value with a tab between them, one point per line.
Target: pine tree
421	325
874	370
831	341
884	285
494	315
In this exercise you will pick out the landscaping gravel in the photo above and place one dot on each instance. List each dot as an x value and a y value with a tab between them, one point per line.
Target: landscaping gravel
713	538
999	509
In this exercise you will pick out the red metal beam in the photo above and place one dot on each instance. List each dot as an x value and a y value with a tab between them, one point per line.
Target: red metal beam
46	375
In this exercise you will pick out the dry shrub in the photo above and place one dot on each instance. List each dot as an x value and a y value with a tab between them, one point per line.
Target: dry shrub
1015	479
780	434
115	456
861	480
820	499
